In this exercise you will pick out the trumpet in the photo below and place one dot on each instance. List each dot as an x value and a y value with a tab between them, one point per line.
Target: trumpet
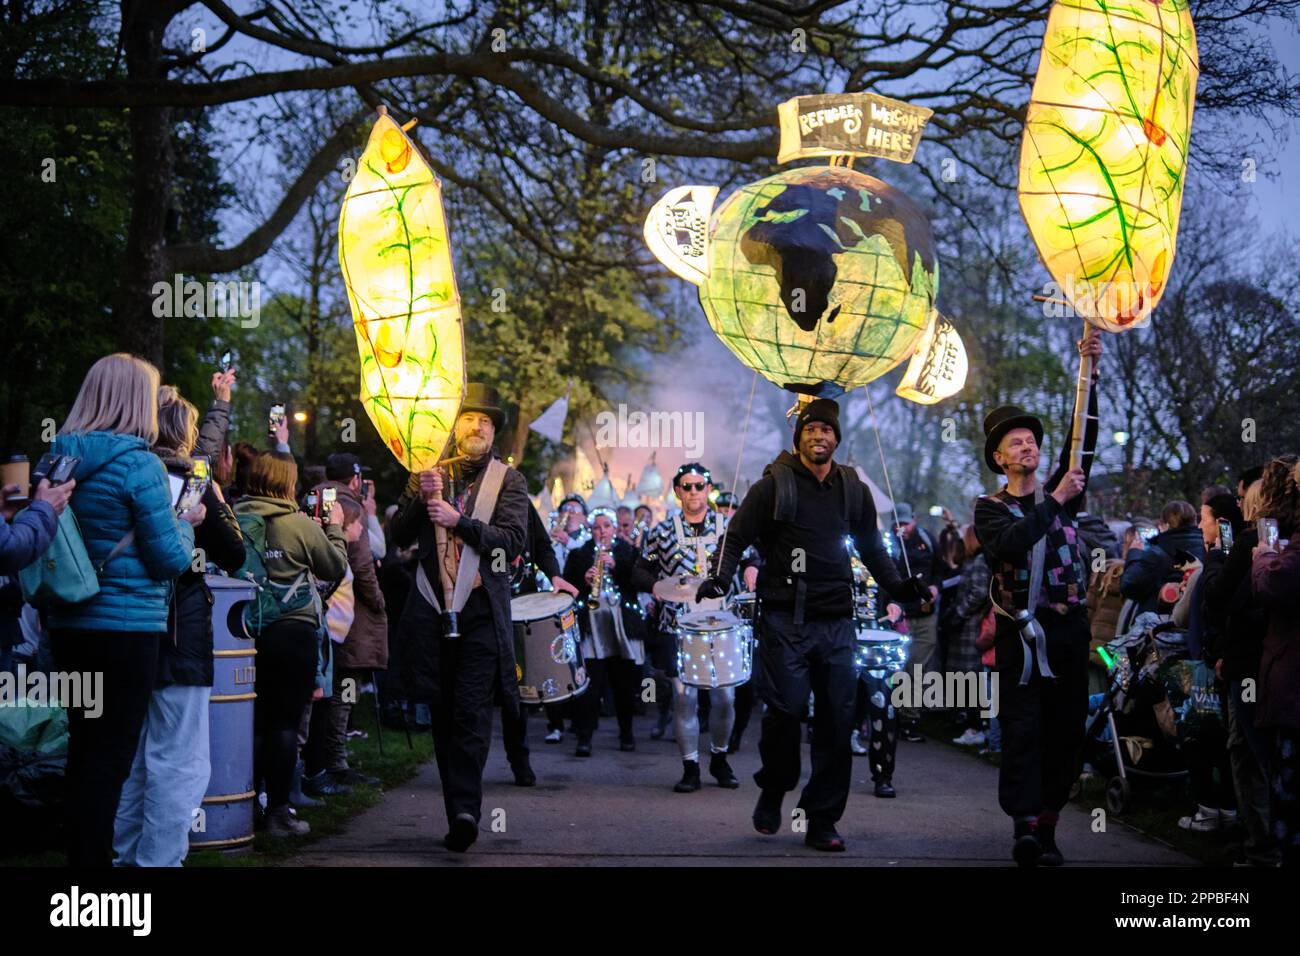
602	589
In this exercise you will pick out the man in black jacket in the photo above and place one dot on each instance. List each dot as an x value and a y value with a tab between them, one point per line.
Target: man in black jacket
798	515
456	630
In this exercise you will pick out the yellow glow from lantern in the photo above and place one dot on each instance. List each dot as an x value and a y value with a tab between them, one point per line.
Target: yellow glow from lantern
937	370
1105	151
396	259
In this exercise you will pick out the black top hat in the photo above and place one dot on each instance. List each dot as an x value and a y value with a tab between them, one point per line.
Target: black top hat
485	399
1000	421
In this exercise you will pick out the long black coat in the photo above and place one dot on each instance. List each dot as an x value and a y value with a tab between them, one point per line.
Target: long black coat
420	631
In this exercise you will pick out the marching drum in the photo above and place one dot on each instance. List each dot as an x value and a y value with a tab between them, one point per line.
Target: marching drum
879	649
745	607
713	649
548	661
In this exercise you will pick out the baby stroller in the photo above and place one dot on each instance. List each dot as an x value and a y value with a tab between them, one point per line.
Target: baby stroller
1132	729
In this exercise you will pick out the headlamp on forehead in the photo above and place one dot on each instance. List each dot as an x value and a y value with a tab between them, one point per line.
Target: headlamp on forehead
692	468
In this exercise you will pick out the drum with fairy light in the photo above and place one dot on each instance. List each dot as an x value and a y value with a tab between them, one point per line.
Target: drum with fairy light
548	658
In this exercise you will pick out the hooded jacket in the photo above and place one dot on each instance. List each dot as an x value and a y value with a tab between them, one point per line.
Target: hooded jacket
1151	567
122	487
294	544
366	646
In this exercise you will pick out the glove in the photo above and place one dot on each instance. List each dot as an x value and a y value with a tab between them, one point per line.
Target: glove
709	588
915	589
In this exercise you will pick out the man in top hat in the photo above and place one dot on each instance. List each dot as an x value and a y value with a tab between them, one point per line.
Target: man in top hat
1029	531
798	515
456	634
681	546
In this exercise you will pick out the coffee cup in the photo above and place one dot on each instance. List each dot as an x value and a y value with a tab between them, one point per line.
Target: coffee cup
16	470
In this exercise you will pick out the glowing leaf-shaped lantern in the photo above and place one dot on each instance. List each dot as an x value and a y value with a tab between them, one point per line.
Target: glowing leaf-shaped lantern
1105	151
396	259
938	367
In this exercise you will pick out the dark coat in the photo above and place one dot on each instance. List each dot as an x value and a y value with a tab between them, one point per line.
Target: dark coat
1152	566
1236	618
366	646
1276	578
577	565
420	631
185	658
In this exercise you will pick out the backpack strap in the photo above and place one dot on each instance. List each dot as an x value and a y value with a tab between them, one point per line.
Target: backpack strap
785	491
122	545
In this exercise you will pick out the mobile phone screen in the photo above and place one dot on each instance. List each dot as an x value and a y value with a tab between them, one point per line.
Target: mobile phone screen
225	361
1148	533
200	467
276	417
63	469
1225	534
1268	533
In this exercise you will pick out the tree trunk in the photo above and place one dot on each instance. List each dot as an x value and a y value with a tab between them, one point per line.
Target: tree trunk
139	330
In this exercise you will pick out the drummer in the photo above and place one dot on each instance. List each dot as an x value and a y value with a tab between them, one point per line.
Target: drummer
679	547
613	643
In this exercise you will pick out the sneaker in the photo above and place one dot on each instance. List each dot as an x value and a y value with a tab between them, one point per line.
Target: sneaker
989	751
767	812
463	833
690	781
971	738
1204	820
856	744
323	784
281	822
358	734
823	836
554	736
721	771
352	778
911	734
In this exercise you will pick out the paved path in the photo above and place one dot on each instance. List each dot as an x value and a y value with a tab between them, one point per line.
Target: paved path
618	809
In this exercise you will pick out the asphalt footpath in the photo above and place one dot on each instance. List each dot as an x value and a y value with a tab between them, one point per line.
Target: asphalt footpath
619	809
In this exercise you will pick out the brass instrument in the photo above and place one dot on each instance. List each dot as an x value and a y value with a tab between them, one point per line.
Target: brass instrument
602	584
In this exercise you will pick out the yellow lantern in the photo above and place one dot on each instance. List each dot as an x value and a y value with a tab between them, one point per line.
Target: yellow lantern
1104	153
938	367
396	260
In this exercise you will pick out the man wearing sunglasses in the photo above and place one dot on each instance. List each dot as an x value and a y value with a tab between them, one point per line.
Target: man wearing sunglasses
798	515
681	545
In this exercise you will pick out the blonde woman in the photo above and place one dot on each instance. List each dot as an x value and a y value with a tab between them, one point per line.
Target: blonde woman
138	546
172	765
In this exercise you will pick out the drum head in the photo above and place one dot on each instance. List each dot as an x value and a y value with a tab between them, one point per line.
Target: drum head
543	604
709	621
868	635
747	597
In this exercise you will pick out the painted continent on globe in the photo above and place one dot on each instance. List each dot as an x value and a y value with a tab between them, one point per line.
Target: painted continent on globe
820	275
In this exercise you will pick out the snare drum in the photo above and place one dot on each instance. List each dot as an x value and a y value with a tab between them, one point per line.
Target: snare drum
713	649
548	661
879	649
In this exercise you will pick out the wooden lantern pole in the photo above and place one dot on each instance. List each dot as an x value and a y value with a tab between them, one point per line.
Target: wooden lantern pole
1082	393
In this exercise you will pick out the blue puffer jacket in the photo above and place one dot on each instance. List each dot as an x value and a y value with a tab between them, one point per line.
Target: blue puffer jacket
121	485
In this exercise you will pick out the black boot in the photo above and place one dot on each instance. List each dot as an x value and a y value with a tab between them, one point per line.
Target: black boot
767	812
1052	855
690	781
524	776
885	788
720	770
1026	850
822	835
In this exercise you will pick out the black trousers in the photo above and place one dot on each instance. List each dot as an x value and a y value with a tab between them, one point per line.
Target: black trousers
624	677
875	711
287	654
461	710
514	734
101	749
1042	722
744	708
794	659
662	648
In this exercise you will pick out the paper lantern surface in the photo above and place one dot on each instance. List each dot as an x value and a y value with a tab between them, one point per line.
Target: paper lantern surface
938	367
822	278
1104	153
396	259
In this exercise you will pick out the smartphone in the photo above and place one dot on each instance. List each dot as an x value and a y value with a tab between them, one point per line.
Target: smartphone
43	467
1268	533
1225	535
226	361
65	466
313	504
936	511
1147	533
328	497
276	418
194	485
200	467
365	488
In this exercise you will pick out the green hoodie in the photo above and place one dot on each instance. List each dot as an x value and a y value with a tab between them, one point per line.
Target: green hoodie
295	543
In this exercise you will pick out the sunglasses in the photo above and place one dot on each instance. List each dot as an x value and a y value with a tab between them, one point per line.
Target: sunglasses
692	486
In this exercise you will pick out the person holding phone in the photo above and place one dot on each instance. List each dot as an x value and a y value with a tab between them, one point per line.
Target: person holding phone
1151	575
133	537
297	550
24	537
1030	535
169	775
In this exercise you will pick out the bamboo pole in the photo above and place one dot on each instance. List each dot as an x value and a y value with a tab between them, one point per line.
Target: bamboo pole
1082	393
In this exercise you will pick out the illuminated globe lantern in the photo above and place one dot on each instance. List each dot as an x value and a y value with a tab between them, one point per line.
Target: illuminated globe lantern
820	278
